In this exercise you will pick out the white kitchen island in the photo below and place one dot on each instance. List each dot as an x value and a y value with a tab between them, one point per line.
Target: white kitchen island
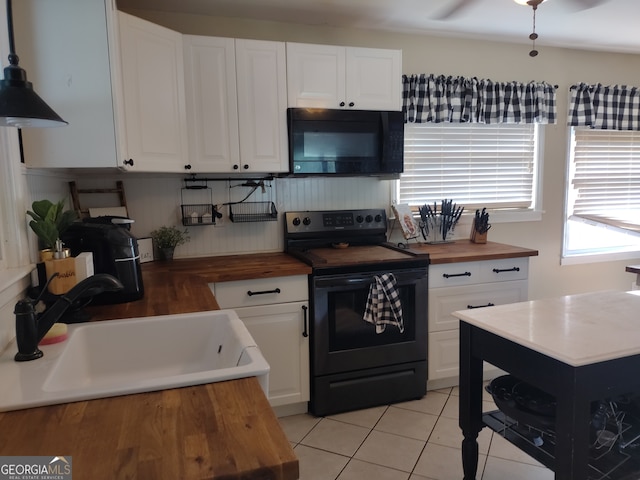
578	348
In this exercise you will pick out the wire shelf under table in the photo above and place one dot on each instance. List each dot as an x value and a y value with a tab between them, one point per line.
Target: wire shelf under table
609	465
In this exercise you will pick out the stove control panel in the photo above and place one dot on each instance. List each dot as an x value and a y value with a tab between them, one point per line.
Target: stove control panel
343	221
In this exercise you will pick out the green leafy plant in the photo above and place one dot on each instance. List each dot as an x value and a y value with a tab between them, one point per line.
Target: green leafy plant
50	220
169	237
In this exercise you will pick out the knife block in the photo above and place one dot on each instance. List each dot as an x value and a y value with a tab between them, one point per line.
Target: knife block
66	270
477	237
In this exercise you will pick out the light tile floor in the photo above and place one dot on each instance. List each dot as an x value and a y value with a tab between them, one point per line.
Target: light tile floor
414	440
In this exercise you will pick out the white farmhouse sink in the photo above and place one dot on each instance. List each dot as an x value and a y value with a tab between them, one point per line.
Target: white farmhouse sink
117	357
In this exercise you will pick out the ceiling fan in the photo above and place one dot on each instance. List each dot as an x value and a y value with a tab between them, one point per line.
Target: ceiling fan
459	5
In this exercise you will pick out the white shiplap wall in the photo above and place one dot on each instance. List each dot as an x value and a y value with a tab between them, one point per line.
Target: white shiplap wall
155	200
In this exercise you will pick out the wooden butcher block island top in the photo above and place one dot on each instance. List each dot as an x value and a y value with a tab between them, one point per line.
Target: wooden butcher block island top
223	430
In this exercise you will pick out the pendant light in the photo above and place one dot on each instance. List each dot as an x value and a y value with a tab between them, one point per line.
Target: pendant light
20	105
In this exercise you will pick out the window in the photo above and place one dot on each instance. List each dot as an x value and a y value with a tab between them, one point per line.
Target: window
603	194
476	165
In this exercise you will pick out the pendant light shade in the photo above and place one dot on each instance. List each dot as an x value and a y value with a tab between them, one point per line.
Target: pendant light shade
20	105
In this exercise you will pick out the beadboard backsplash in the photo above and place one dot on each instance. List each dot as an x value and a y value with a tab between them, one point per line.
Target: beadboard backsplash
155	200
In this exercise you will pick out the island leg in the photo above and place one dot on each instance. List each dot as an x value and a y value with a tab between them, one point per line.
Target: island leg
573	413
470	414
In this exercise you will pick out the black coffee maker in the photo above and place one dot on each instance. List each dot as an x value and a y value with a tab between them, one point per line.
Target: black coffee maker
115	251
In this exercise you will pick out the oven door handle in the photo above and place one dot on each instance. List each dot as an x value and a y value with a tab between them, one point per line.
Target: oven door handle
355	280
343	282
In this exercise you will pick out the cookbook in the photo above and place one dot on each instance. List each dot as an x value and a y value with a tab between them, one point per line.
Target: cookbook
404	215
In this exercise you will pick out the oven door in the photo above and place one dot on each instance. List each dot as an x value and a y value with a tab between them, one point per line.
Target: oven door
343	341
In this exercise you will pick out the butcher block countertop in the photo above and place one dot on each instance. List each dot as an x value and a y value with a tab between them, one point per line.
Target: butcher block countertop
181	285
466	251
221	430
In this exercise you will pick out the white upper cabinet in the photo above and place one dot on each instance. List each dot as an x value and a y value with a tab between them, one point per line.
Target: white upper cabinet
315	75
153	99
72	76
262	106
212	108
145	98
374	78
325	76
236	99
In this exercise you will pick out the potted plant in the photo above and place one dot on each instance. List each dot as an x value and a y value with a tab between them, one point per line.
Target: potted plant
49	221
166	239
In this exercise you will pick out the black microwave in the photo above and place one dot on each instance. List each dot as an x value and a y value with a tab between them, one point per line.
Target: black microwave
345	142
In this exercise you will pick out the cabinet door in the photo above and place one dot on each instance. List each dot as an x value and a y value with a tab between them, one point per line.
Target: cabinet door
210	84
444	358
262	106
68	63
444	354
374	78
279	332
153	95
315	76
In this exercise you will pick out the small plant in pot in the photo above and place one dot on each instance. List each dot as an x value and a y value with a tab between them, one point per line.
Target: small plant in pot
166	239
50	220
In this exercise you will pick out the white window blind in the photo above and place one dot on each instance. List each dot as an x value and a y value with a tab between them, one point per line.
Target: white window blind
606	177
476	165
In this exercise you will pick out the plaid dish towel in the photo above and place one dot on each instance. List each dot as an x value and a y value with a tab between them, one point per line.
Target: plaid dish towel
383	304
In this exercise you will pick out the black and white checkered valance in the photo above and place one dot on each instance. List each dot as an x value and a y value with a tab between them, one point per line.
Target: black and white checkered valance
613	107
431	98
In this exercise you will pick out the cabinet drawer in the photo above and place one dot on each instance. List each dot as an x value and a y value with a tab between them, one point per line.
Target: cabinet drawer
444	301
454	274
261	291
504	270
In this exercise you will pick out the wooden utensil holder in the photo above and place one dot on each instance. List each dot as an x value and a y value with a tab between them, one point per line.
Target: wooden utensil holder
66	278
477	237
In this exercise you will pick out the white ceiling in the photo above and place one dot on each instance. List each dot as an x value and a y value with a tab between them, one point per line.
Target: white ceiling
612	25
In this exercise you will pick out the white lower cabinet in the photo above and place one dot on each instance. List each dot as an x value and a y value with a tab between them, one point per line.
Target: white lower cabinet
278	331
460	286
275	311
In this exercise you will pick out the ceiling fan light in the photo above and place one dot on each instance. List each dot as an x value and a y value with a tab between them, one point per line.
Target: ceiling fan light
526	2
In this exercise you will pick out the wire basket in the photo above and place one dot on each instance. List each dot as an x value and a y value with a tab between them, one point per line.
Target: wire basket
198	214
253	212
